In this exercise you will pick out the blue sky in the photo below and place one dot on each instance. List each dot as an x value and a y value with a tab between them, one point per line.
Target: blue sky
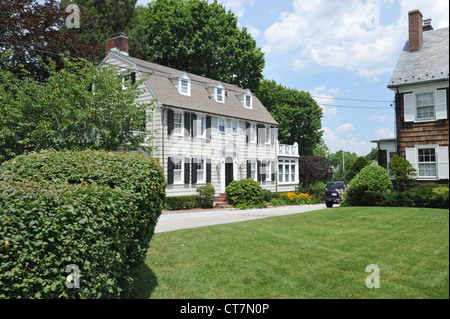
342	52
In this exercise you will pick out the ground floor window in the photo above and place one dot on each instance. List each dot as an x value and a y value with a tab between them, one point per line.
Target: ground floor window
427	162
287	171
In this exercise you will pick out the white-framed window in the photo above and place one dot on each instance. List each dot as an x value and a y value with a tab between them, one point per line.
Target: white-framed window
248	100
252	135
287	171
425	105
221	125
235	127
426	158
253	170
219	93
178	170
267	135
128	79
266	169
201	170
184	84
201	126
430	161
178	123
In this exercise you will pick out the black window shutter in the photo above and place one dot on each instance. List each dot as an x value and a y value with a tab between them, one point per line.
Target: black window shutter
258	172
187	170
169	171
264	173
247	132
194	125
169	122
208	127
249	169
208	170
194	171
273	171
187	124
133	77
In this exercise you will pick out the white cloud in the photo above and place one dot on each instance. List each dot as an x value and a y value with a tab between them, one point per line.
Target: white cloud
341	139
345	128
384	133
253	31
237	6
347	34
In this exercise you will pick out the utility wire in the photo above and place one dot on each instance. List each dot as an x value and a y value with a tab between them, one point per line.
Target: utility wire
200	83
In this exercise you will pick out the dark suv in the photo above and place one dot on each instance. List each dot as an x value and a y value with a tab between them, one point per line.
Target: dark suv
333	193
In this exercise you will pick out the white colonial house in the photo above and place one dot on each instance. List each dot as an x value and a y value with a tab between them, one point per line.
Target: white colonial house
205	130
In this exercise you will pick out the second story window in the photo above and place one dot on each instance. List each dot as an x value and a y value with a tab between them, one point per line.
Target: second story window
184	84
248	100
425	106
177	123
221	125
219	93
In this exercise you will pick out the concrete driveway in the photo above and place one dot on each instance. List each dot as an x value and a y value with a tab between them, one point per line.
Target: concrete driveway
175	221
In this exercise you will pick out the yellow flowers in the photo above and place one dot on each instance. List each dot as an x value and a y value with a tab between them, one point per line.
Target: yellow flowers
296	198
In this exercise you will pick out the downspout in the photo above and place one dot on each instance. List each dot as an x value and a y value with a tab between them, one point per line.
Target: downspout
163	137
397	123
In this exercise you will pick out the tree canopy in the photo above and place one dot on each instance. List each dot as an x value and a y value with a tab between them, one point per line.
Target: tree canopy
31	29
101	19
297	112
198	37
79	106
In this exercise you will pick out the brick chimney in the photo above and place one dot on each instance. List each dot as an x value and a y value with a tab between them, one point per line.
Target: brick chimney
427	25
117	42
415	30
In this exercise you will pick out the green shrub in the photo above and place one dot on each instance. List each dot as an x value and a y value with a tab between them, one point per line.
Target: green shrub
356	167
246	191
405	174
95	209
206	195
430	196
181	202
267	195
371	178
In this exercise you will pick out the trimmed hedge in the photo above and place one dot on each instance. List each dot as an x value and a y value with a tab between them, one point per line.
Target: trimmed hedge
430	196
94	209
181	202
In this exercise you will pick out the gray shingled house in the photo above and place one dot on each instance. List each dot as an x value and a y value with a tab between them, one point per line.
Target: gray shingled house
206	130
420	81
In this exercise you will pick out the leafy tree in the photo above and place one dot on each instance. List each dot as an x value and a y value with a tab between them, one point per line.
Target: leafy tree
78	107
321	149
314	169
373	155
31	29
297	112
341	161
357	166
198	37
101	19
405	174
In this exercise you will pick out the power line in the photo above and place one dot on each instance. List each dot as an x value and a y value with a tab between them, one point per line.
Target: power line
200	83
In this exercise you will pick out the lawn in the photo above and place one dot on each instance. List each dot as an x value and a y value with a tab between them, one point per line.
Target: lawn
322	254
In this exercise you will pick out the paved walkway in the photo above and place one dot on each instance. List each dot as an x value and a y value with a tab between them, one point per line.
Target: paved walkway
175	221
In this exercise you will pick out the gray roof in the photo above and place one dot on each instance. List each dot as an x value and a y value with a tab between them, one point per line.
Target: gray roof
429	64
201	100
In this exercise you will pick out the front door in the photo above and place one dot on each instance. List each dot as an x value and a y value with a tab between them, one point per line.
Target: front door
228	172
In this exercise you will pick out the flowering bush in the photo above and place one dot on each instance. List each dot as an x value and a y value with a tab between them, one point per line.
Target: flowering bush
292	198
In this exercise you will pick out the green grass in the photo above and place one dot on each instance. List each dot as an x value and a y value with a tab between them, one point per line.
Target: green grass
321	254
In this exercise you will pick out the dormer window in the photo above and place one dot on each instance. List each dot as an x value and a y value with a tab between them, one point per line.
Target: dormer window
219	93
184	84
248	100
